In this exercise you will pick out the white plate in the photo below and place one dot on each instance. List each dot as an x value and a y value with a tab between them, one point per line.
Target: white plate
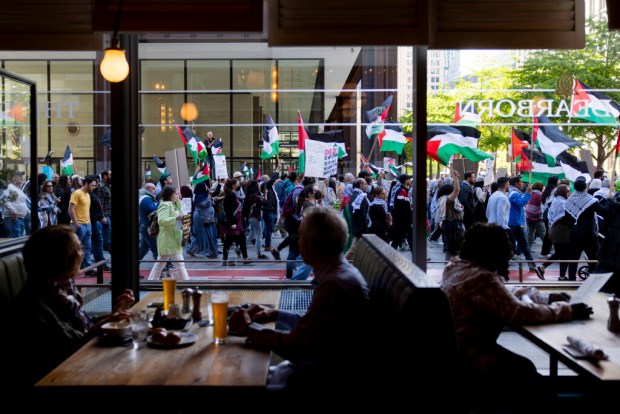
186	340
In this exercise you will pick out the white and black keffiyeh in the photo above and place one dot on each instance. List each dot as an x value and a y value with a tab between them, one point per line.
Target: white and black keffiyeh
578	202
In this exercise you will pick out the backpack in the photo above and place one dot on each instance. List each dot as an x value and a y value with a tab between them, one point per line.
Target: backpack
288	208
153	229
281	191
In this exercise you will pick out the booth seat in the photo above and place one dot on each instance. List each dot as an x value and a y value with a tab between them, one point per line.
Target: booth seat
12	274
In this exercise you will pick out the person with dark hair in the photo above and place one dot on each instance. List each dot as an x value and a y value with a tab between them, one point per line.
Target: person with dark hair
516	220
79	210
380	221
233	227
48	322
63	192
358	212
582	208
450	212
466	198
482	306
547	198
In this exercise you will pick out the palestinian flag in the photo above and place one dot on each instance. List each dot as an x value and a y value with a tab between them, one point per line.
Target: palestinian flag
550	139
66	165
519	144
245	170
539	168
194	145
593	106
444	141
202	175
147	171
466	116
271	140
342	149
161	165
302	136
618	144
573	167
394	170
390	140
377	117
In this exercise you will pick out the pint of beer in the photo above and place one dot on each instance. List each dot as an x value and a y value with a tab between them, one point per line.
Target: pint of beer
219	301
170	288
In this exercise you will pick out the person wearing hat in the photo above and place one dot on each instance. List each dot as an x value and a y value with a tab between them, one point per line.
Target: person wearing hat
164	180
400	209
596	182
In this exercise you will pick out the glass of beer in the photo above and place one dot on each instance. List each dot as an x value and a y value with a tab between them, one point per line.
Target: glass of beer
219	301
170	288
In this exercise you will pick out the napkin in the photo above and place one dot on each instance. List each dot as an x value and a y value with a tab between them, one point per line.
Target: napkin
587	349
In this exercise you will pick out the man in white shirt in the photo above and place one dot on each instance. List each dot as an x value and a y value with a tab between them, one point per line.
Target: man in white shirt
14	206
498	207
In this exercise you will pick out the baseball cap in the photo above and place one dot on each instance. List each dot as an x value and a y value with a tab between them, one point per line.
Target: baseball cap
237	174
404	177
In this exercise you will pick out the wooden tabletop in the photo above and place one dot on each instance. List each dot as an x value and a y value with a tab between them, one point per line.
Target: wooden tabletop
552	339
200	364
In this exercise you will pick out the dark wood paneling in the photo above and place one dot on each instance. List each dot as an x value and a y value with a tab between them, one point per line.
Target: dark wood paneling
181	16
613	14
507	24
347	22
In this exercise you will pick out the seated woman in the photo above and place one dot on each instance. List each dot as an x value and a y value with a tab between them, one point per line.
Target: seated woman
47	323
482	306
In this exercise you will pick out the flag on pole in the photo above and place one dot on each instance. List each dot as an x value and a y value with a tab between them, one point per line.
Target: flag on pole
573	167
377	117
365	164
302	136
147	171
271	140
551	140
161	165
444	141
258	173
66	165
519	144
245	170
593	106
217	147
194	145
390	140
618	143
467	116
202	175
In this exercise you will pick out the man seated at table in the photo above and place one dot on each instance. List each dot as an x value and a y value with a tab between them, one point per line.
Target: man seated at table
47	323
328	344
482	306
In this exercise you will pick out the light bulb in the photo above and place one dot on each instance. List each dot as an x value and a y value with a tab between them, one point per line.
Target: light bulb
114	66
189	112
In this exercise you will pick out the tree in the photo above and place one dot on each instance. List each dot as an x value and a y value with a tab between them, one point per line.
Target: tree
598	66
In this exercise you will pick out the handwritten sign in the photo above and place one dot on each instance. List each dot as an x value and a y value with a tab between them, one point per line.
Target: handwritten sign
321	159
220	166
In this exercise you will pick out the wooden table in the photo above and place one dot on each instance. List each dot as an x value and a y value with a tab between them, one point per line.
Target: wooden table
552	339
202	364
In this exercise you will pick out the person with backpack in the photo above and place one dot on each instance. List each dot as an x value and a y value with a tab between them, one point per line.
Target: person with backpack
283	189
292	221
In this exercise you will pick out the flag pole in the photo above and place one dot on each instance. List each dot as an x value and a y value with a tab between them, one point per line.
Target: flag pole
613	170
372	149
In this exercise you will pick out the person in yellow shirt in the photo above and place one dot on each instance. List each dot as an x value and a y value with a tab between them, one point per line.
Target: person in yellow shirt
79	210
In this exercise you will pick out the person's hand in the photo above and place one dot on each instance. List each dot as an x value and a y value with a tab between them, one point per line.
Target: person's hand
104	221
179	217
529	189
238	322
559	297
581	311
262	314
234	226
124	301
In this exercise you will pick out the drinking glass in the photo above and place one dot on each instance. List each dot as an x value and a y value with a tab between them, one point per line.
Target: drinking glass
139	328
219	301
170	288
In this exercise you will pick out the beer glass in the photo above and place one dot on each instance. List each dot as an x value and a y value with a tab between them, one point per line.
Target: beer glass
170	288
219	301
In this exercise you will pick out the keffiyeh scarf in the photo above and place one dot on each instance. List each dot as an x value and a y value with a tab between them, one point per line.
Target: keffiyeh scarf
556	211
578	202
357	202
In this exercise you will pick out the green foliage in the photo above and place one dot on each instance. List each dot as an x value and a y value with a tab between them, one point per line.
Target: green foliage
598	66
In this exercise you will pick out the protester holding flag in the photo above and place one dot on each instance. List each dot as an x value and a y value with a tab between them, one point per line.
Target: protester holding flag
208	142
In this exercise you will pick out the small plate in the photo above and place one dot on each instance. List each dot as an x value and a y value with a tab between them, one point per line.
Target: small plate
186	340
